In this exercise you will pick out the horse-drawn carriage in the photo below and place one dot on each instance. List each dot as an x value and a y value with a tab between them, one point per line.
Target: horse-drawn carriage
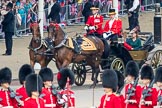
64	53
118	58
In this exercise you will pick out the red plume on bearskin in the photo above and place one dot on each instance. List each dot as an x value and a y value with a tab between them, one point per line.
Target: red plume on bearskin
62	77
46	74
33	83
24	71
5	75
158	74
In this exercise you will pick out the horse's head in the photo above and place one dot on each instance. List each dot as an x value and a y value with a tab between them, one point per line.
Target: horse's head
34	27
55	32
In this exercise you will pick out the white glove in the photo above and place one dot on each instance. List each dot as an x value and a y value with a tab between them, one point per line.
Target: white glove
86	28
61	101
92	28
106	35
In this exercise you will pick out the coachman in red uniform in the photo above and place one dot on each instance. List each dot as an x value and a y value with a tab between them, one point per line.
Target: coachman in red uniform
65	79
132	91
33	86
113	27
158	80
25	70
5	99
110	83
148	100
94	23
49	97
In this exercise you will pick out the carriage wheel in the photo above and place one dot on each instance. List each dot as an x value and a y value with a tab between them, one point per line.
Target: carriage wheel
118	64
80	73
156	59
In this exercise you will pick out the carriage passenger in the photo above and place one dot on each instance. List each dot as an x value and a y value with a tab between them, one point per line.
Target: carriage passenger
113	27
133	43
94	23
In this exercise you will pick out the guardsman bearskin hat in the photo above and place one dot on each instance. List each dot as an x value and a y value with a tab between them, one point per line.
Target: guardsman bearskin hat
5	75
158	74
147	72
33	83
110	79
120	79
46	74
10	5
112	12
25	70
132	69
62	77
95	7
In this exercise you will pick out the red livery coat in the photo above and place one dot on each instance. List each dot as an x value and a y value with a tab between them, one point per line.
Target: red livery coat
136	97
49	99
34	103
159	93
116	26
97	22
152	98
7	100
110	101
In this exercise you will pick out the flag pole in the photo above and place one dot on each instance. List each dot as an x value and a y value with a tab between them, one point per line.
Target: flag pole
41	15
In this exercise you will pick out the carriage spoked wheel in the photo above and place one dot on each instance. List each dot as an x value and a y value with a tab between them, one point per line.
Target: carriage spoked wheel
118	64
156	59
80	73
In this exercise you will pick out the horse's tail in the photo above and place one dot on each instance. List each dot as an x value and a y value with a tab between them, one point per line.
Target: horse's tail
106	49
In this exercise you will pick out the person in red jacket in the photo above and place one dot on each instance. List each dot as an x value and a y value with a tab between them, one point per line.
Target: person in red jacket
65	79
25	70
132	89
158	80
50	98
6	101
148	100
34	86
94	23
113	27
110	83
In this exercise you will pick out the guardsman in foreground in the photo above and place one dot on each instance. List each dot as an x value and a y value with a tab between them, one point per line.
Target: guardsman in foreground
25	70
149	94
110	83
120	87
113	27
33	86
158	81
132	90
49	93
65	79
6	101
94	23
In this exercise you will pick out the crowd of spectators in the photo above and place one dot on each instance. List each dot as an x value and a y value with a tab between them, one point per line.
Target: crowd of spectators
25	10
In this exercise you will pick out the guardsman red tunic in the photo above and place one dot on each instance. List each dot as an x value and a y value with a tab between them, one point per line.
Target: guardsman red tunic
152	98
115	27
110	101
70	99
121	97
136	97
7	101
49	99
159	93
34	103
97	22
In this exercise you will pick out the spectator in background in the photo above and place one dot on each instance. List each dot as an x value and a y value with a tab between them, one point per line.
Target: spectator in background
55	10
8	28
87	10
